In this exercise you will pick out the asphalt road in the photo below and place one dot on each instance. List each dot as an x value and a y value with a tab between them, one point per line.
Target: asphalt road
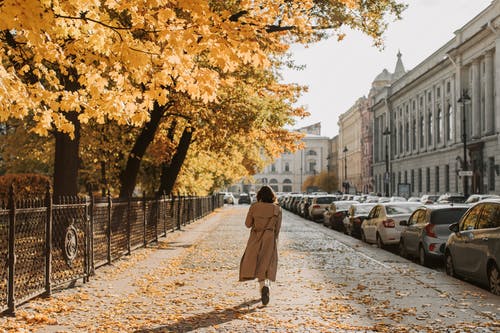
327	282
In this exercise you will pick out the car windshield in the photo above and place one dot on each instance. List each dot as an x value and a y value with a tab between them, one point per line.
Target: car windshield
325	200
394	210
447	216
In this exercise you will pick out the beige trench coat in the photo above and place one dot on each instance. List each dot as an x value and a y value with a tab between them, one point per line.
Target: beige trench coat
260	259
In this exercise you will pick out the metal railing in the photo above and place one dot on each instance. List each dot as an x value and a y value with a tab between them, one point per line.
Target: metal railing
44	245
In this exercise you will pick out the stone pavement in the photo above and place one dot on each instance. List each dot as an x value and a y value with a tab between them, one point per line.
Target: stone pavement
327	282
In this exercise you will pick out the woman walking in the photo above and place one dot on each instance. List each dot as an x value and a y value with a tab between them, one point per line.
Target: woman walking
260	259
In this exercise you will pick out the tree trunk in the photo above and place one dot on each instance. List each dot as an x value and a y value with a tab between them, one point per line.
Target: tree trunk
128	177
170	172
66	161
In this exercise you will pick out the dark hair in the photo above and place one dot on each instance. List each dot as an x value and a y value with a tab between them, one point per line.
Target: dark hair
266	194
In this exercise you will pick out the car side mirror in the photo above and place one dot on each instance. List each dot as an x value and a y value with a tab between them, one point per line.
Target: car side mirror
453	227
404	223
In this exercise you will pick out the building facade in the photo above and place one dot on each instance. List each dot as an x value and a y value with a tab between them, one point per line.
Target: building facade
437	126
354	148
290	170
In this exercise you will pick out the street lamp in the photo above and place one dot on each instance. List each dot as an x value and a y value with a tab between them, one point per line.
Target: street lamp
464	100
346	184
386	176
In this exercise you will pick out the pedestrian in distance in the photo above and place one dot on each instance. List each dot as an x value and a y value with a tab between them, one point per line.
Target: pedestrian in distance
260	260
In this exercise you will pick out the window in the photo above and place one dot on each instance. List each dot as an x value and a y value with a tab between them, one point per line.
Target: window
421	130
414	134
312	166
406	177
311	153
400	138
491	174
439	132
490	217
469	222
437	179
429	127
273	168
287	167
407	136
412	181
419	180
447	178
428	179
450	119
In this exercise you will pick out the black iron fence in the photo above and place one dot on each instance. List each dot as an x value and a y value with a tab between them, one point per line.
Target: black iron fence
45	245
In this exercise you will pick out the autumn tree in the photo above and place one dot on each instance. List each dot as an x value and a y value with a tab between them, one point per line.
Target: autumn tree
66	63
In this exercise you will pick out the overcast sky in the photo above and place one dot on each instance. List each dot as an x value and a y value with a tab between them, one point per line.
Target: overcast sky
338	73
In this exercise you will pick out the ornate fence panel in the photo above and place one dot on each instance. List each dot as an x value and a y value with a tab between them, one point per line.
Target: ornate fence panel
70	232
100	242
136	223
4	265
29	244
151	215
119	228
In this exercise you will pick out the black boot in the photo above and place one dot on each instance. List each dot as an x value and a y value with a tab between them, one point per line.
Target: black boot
265	295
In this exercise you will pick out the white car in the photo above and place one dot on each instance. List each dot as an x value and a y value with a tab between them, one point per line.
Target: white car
382	226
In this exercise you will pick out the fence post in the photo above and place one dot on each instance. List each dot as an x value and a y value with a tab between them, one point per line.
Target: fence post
178	211
108	233
12	248
157	216
144	217
129	205
91	238
48	241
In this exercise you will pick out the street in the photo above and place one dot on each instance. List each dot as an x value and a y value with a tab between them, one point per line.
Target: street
327	282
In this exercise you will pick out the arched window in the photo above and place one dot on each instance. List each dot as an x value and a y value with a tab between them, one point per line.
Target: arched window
287	187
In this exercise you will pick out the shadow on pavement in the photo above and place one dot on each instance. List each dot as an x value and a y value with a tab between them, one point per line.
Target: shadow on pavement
203	320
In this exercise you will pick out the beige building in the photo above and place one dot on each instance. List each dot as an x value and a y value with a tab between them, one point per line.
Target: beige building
436	128
353	144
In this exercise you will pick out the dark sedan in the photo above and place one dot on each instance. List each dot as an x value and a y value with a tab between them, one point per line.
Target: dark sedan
356	215
333	217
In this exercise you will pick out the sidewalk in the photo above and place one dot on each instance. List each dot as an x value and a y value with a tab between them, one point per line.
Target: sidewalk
188	282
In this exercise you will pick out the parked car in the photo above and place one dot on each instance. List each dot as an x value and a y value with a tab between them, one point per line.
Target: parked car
427	230
334	214
382	226
414	199
244	199
427	199
356	214
473	249
304	205
473	198
318	206
451	198
229	198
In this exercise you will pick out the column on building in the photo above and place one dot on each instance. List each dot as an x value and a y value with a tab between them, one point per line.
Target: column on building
496	106
476	99
488	93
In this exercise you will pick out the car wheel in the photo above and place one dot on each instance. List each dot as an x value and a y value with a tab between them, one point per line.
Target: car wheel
422	256
402	250
448	262
380	243
363	237
494	279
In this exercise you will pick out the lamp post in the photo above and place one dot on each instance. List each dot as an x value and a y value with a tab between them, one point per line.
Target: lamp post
346	184
464	100
386	175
